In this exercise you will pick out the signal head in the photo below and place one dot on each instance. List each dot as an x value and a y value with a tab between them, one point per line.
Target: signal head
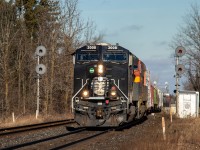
180	69
180	51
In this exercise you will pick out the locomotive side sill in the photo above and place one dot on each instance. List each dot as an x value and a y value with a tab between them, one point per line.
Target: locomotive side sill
78	109
98	98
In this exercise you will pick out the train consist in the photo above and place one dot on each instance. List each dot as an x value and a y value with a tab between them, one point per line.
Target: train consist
155	99
111	86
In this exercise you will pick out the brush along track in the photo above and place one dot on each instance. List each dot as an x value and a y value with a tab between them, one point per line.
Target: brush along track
20	129
69	139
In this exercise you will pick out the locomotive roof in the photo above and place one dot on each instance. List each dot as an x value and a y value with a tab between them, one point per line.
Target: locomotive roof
116	48
110	48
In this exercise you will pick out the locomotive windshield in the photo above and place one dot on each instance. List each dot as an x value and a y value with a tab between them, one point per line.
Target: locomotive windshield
87	57
114	57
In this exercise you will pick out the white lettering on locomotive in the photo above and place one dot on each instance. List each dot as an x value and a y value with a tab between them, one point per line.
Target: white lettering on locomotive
91	47
112	47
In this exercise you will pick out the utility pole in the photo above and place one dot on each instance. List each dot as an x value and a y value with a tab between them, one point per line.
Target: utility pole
40	69
38	88
177	87
179	68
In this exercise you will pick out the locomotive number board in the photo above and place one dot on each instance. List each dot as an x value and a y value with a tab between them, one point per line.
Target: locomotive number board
112	47
91	47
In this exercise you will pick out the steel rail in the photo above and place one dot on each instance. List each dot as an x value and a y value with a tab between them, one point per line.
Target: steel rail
42	140
122	127
80	140
18	129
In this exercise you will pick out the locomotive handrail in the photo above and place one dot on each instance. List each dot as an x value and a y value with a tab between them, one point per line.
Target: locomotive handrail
77	94
120	90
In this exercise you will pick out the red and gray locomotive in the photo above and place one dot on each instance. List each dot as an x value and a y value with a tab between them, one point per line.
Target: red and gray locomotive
109	86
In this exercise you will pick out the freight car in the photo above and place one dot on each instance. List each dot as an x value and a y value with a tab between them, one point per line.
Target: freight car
110	86
155	99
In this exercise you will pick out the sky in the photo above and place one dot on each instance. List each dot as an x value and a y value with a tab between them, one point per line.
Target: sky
145	27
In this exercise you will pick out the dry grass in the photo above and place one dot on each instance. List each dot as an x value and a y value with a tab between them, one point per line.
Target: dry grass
190	135
31	119
181	134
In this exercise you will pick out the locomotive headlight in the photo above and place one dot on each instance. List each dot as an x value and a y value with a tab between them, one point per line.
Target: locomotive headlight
100	69
85	93
113	93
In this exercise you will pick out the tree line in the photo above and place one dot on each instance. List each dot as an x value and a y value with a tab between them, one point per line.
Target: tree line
26	24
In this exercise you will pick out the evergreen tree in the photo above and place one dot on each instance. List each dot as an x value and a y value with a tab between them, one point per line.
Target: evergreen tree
37	13
30	18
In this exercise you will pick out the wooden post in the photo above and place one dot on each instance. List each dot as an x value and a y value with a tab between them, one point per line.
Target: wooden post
13	116
37	112
170	114
163	126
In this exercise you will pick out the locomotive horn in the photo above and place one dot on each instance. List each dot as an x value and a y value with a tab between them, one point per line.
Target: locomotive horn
41	51
180	51
40	69
180	69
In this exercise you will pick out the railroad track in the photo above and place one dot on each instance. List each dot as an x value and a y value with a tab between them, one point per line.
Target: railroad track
28	144
73	137
19	129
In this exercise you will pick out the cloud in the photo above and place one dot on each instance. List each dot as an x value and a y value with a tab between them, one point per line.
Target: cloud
160	43
162	65
162	70
112	34
104	2
133	28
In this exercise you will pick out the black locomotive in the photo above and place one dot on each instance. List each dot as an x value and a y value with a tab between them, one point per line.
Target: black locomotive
109	86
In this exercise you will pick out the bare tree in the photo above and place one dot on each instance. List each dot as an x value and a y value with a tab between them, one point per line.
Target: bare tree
90	35
49	34
189	37
8	34
22	45
26	24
